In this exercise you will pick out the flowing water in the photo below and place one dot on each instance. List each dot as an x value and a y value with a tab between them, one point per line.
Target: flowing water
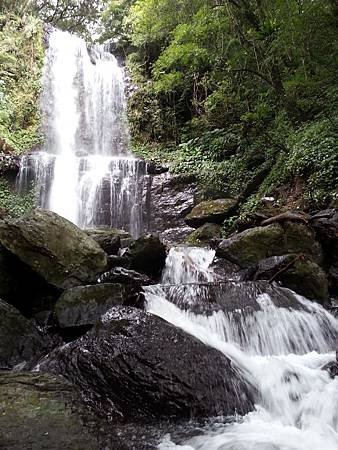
85	172
281	349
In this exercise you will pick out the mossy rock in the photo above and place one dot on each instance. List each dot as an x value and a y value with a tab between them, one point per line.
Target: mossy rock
204	234
211	211
249	247
306	278
84	305
20	341
54	248
41	411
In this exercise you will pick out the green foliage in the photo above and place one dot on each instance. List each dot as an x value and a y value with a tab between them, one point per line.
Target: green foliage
232	89
13	204
21	56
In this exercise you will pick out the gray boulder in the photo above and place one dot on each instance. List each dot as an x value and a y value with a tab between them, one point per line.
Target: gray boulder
54	248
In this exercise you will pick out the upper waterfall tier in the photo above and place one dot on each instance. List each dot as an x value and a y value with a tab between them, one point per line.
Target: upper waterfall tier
85	171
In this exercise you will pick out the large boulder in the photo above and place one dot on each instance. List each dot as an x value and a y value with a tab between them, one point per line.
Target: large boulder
54	248
204	235
251	246
40	411
84	305
20	341
147	255
110	239
138	366
23	288
211	211
295	272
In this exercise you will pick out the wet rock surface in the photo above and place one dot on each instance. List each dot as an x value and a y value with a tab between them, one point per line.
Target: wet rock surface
84	305
125	276
54	248
172	198
20	341
40	411
147	255
211	211
135	365
229	296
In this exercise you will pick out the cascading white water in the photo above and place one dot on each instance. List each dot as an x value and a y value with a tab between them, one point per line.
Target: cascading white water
280	349
85	172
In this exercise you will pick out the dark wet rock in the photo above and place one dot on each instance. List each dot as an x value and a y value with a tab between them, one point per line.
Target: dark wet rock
23	288
333	280
325	224
267	269
20	341
147	255
332	367
125	276
172	198
251	246
84	305
109	239
211	211
117	261
54	248
9	163
40	411
205	234
156	169
250	221
135	365
228	296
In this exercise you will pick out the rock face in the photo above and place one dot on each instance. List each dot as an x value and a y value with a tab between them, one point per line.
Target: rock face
84	305
205	234
251	246
20	341
109	239
172	198
138	366
147	254
211	211
38	412
54	248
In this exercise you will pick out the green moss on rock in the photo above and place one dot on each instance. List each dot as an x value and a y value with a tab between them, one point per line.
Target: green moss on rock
54	248
252	245
211	211
204	234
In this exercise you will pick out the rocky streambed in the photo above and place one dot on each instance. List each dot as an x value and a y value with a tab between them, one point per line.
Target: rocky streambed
87	364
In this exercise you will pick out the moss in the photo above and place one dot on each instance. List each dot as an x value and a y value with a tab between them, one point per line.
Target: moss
204	235
214	211
251	246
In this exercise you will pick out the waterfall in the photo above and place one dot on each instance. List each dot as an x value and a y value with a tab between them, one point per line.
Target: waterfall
279	340
84	171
